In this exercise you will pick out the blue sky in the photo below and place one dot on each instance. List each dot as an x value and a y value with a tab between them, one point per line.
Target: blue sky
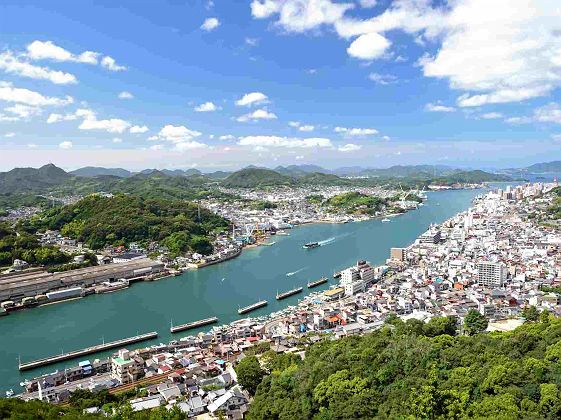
224	84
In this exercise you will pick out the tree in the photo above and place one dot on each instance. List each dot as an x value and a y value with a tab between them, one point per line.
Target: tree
250	373
531	313
440	325
474	322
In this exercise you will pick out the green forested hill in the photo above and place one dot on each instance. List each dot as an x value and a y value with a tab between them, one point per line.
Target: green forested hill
100	221
414	372
256	177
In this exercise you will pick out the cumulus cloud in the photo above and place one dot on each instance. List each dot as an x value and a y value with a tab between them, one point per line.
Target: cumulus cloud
181	137
206	107
258	114
491	115
9	93
112	125
125	95
13	64
490	51
438	108
65	145
47	50
226	137
210	24
137	129
356	131
369	46
23	111
382	79
349	147
306	128
110	64
288	142
252	98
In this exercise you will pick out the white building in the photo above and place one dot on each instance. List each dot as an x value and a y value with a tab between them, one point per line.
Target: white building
491	274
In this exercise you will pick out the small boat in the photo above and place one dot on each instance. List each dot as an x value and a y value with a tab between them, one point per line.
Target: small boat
311	245
10	393
317	282
386	220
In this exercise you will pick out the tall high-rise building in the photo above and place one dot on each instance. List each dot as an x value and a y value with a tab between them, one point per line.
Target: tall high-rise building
491	274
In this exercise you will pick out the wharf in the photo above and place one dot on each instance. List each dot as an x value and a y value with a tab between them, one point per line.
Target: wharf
194	324
88	350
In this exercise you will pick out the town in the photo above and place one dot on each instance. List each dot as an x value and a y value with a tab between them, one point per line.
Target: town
496	258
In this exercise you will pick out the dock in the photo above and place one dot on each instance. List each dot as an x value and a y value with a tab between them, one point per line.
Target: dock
88	350
289	293
252	307
317	282
193	324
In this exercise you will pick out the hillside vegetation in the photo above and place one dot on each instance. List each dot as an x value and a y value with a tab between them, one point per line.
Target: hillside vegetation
356	203
256	177
99	221
417	371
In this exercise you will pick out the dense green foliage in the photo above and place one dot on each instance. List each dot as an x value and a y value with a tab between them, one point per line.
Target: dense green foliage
356	203
470	177
99	221
249	373
554	211
26	180
21	245
256	177
475	322
416	370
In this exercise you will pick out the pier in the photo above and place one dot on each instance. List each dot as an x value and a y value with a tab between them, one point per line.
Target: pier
194	324
88	350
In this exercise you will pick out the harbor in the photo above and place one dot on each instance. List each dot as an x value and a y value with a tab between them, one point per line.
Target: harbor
252	307
216	290
88	350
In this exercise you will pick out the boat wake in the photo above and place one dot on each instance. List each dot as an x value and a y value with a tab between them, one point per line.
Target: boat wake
327	241
295	272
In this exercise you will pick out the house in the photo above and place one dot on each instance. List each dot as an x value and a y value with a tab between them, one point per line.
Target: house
146	403
193	406
232	404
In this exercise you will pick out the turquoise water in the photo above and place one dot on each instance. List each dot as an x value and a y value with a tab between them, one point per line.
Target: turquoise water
213	291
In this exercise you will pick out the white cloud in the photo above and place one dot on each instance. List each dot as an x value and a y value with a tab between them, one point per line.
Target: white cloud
550	113
439	108
137	129
258	114
349	147
382	79
294	124
65	145
183	146
491	115
210	24
176	134
367	3
110	64
252	42
299	15
369	46
492	51
117	140
289	142
356	131
90	122
386	138
226	137
47	50
10	135
8	93
306	128
252	98
125	95
23	111
207	107
15	65
80	113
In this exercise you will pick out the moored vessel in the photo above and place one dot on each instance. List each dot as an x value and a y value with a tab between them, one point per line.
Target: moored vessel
252	307
317	282
288	293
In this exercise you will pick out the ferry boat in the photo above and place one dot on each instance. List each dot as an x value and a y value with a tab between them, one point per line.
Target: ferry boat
336	274
252	307
289	293
317	282
311	245
193	324
386	220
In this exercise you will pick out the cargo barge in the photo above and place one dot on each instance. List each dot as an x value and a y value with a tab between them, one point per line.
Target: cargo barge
193	324
88	350
317	282
288	293
252	307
